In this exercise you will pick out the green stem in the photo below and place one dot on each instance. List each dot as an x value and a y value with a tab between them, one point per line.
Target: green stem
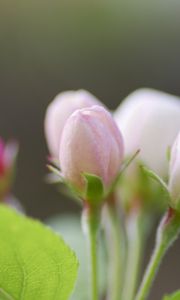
116	249
167	233
90	220
135	230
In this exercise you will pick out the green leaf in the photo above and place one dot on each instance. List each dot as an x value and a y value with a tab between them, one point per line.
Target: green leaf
35	263
69	226
94	188
159	180
174	296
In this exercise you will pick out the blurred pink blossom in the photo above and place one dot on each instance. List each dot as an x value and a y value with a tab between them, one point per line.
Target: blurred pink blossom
58	112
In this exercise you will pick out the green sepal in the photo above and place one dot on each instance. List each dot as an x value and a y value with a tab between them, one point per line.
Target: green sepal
57	173
148	190
123	169
56	177
159	180
176	205
125	166
168	153
94	193
174	296
128	162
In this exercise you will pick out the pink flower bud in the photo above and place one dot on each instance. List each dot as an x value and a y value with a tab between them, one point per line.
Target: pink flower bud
2	162
59	110
91	143
149	121
174	172
8	154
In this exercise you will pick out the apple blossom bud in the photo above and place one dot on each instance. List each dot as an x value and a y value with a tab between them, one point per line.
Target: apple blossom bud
8	154
149	121
91	143
174	172
2	163
59	110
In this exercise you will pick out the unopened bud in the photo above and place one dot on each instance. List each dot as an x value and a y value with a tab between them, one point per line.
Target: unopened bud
91	143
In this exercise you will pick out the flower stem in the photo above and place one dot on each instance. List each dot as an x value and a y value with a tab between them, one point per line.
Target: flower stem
167	233
90	222
135	230
116	245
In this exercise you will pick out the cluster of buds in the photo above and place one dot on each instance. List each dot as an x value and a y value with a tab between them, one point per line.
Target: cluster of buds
86	139
8	154
90	144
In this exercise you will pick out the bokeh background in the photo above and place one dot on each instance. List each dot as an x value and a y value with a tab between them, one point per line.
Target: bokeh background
109	47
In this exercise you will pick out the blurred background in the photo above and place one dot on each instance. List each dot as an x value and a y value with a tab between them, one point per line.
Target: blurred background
108	47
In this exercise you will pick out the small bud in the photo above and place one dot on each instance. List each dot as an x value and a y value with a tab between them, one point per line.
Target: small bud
174	172
91	143
149	121
8	154
58	112
2	162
